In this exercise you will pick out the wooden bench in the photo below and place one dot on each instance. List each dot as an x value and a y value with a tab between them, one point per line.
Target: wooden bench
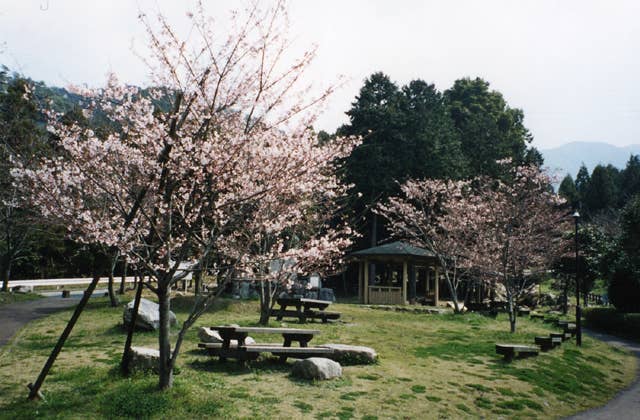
509	350
252	351
562	336
305	309
243	352
547	343
570	328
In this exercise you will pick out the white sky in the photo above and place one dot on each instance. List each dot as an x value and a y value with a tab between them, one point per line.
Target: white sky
573	66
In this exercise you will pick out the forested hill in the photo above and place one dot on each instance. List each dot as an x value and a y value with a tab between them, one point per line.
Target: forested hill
566	159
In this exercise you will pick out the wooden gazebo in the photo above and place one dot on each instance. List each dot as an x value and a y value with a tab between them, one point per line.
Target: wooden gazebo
397	273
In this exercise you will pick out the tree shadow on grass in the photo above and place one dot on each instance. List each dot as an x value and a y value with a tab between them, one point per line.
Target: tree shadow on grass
232	367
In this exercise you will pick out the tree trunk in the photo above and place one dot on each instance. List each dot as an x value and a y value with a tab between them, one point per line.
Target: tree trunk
124	365
165	368
5	273
112	295
35	388
124	278
565	296
265	302
512	312
452	292
197	281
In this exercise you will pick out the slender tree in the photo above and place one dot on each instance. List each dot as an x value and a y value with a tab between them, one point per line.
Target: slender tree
524	226
443	217
569	192
181	185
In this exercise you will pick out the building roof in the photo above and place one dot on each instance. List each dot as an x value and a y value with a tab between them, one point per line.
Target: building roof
394	249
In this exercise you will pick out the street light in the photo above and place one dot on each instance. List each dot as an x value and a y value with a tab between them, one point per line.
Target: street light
576	216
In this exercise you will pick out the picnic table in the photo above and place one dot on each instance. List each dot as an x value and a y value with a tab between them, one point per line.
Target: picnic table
304	309
243	352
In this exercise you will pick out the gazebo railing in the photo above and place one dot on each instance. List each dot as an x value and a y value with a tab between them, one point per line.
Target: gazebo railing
385	295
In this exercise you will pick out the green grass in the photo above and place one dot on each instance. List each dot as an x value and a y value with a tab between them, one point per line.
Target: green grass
430	366
8	297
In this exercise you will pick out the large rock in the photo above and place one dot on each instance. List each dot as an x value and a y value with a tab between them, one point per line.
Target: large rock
317	368
144	359
327	294
207	335
148	315
22	289
352	355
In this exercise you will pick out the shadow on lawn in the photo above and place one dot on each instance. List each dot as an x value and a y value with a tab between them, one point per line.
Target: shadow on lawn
232	367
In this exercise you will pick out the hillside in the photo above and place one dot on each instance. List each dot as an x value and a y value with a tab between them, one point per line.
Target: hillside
568	157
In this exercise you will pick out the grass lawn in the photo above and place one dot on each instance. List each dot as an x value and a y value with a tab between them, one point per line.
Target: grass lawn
8	297
431	366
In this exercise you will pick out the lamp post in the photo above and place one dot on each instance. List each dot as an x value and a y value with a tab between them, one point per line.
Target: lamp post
576	216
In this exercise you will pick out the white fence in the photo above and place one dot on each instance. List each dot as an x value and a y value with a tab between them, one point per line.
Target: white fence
65	282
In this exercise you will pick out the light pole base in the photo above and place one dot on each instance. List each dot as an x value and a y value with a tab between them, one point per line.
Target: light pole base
578	325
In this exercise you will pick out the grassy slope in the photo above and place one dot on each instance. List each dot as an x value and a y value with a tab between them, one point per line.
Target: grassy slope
7	298
431	366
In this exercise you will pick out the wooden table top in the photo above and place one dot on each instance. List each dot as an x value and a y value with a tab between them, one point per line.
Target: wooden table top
264	330
305	300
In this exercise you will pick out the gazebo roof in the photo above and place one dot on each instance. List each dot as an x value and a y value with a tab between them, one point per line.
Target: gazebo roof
394	249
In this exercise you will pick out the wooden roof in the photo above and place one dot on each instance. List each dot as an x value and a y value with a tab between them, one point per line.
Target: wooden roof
393	249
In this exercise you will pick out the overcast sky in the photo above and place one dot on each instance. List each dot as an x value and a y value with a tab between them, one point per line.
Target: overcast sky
573	66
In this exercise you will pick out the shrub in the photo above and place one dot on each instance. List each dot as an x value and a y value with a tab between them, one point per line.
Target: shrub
613	321
624	289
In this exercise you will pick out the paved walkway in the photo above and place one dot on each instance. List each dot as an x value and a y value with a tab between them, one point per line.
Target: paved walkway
16	315
626	405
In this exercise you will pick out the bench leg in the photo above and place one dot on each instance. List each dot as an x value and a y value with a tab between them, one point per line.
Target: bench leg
281	312
301	315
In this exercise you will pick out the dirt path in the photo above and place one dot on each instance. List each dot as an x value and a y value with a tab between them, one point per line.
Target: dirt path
626	405
14	316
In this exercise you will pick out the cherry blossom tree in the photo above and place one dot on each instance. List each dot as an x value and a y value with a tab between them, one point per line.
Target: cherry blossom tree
524	222
232	162
503	230
442	216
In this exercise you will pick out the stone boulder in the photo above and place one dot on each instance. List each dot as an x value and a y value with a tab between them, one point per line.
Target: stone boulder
22	289
148	315
327	294
317	368
207	335
144	359
352	355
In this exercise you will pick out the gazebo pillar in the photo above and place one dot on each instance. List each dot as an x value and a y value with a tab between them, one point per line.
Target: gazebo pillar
436	288
405	281
366	281
412	284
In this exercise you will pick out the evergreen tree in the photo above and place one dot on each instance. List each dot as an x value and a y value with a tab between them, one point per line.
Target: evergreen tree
630	180
568	191
21	137
407	133
582	182
601	193
489	129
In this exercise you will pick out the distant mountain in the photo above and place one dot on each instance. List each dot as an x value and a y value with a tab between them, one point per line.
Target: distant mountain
566	159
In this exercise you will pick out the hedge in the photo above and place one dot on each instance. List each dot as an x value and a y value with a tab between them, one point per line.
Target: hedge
612	321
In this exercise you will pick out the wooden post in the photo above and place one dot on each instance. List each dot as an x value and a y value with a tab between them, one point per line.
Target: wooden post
405	281
35	388
124	364
366	281
436	288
